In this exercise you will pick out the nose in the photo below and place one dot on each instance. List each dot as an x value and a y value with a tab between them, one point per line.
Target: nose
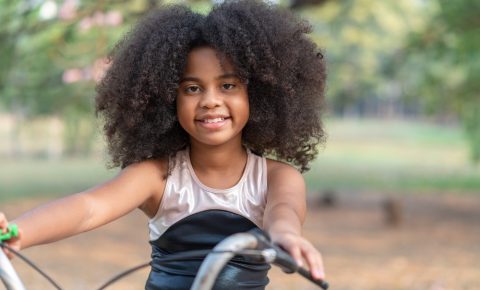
210	99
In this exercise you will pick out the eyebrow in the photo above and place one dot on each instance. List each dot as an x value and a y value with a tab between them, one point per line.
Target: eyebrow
194	79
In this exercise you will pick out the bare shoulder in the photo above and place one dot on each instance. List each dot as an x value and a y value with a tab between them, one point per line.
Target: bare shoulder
150	175
286	186
141	179
284	175
277	169
152	168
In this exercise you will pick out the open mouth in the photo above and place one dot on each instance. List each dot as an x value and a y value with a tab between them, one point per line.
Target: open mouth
214	120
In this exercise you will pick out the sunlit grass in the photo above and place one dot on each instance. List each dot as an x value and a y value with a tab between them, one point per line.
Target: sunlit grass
397	156
22	178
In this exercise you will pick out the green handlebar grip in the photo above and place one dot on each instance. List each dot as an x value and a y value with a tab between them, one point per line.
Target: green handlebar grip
11	233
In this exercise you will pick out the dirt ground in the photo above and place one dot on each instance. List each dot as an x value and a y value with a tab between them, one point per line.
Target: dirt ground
435	247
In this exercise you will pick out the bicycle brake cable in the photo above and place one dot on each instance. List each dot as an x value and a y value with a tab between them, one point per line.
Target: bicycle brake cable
188	255
31	264
173	257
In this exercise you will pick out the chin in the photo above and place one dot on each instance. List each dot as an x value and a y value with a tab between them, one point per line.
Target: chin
215	141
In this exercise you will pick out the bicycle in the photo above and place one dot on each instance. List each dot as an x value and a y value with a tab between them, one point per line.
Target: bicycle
253	244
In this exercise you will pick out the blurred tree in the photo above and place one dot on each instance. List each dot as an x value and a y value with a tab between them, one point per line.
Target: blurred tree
19	20
361	37
52	53
51	57
295	4
442	62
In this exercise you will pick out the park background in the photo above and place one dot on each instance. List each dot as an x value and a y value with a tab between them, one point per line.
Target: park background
393	195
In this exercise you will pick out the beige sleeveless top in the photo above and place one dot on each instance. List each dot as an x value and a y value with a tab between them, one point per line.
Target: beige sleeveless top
185	194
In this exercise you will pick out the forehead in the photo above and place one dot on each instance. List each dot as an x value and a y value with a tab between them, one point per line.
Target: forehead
205	59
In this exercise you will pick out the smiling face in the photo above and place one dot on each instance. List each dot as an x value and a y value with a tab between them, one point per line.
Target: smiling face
212	102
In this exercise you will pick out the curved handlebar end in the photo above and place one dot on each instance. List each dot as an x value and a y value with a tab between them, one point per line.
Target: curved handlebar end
283	259
8	275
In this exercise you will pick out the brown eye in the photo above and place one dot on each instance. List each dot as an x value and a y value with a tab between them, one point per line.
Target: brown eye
228	86
192	89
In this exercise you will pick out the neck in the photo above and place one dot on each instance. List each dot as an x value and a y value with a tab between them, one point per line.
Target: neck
204	157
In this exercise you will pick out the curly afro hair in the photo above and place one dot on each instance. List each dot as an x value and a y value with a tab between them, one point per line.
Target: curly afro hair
267	45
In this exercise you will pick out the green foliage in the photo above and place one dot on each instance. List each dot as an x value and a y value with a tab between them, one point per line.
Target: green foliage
361	37
471	120
423	53
37	53
418	52
443	64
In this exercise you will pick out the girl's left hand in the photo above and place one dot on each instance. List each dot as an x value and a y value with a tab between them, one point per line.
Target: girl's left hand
14	242
300	249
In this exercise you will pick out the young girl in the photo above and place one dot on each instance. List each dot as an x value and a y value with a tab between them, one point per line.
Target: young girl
192	104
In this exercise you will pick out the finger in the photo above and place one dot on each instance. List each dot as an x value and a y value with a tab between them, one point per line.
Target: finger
3	223
321	270
296	254
310	257
8	253
14	243
314	261
18	244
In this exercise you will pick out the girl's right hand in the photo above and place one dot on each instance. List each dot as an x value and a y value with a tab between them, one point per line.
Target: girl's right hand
13	242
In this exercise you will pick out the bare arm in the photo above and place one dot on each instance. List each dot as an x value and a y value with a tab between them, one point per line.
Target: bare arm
87	210
285	213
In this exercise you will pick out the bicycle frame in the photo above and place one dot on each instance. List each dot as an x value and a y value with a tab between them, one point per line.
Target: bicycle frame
204	280
211	266
214	262
8	275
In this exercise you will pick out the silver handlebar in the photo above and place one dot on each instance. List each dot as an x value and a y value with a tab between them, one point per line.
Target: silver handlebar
8	275
214	262
209	269
204	280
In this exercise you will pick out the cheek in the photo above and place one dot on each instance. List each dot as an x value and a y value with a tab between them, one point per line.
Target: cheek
183	112
247	112
245	108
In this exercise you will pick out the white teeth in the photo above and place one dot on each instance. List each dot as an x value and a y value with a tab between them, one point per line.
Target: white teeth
213	120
